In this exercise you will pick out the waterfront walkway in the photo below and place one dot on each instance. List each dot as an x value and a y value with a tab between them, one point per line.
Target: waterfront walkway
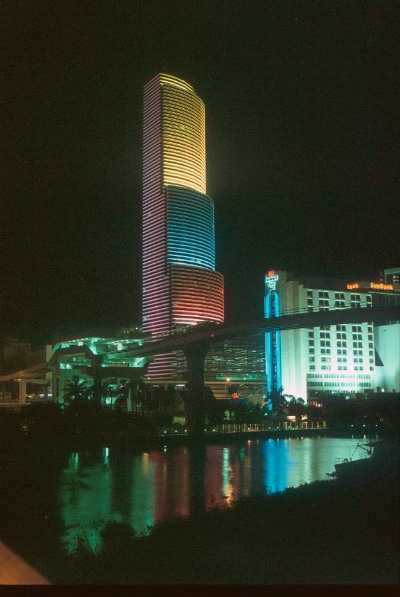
246	428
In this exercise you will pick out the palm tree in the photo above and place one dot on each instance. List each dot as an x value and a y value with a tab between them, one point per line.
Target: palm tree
76	389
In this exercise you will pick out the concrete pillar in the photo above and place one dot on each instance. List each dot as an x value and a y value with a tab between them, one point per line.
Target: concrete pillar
195	407
96	366
21	391
129	399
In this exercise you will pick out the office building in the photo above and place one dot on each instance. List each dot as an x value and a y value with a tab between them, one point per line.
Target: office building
391	275
180	286
235	369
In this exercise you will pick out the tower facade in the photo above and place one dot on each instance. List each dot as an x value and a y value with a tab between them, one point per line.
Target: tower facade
273	363
180	286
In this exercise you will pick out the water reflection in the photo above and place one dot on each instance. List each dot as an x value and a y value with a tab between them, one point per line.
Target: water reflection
142	489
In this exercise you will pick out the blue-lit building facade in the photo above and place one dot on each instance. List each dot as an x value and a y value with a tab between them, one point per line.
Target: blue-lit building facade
273	358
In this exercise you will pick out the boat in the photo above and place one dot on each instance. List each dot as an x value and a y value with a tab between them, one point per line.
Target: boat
384	463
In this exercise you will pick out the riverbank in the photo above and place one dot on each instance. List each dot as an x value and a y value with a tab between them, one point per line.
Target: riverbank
337	532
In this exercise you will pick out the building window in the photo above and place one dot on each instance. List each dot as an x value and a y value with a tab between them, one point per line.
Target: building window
340	304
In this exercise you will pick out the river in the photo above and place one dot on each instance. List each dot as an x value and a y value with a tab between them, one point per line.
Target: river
142	488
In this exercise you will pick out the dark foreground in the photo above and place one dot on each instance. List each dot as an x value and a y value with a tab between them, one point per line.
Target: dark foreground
326	532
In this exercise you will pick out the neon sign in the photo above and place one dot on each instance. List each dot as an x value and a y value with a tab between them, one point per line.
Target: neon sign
271	279
381	286
373	285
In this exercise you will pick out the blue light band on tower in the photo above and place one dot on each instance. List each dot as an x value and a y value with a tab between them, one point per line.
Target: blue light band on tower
273	359
190	228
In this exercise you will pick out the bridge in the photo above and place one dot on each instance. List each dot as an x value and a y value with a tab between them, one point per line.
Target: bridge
195	342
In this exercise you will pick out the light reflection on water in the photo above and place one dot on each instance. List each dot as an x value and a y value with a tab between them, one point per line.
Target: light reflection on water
142	489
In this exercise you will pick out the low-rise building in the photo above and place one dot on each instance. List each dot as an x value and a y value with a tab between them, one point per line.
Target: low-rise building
95	359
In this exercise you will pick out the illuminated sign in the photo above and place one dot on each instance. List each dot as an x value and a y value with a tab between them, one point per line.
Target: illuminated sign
373	285
271	279
381	286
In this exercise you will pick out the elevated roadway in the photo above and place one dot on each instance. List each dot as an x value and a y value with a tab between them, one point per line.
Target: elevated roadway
196	342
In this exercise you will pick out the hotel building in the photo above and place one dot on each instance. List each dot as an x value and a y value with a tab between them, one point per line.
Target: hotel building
344	358
386	337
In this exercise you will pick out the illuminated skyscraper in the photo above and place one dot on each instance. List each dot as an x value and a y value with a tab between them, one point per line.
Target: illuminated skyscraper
180	284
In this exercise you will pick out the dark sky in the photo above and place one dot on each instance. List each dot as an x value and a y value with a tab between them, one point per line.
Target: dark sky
303	151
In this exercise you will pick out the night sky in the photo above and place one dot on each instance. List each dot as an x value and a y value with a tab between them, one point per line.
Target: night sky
302	103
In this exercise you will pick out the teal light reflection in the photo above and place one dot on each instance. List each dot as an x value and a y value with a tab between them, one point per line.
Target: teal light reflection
142	493
276	460
85	502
